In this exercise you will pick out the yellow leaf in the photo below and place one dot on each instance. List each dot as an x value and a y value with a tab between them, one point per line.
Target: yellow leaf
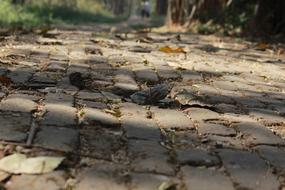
167	49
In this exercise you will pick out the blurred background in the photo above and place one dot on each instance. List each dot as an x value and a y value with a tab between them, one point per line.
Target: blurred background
227	17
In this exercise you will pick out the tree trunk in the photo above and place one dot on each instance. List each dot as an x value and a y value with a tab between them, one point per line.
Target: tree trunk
119	7
161	7
176	12
270	16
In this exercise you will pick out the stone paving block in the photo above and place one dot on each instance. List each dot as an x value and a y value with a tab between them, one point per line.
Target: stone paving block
94	116
62	139
151	181
258	134
248	170
205	89
224	142
204	179
267	116
132	109
166	72
59	115
201	114
136	124
20	76
51	181
150	157
249	102
123	74
101	144
27	95
64	84
18	104
59	98
46	77
196	157
228	108
188	138
226	85
57	66
274	155
218	99
2	95
103	68
138	127
166	118
91	96
112	97
189	76
95	59
125	88
82	68
146	75
102	177
91	104
215	129
3	71
14	127
189	98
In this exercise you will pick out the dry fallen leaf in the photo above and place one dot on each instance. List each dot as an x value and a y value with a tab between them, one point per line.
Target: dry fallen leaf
3	176
20	164
280	51
5	81
168	49
262	46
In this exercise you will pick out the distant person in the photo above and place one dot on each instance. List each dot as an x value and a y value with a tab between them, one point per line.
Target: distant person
145	9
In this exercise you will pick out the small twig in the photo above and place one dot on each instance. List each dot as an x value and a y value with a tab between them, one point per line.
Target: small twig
32	133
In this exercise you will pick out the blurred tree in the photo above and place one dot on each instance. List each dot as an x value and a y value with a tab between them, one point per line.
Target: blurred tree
270	16
18	1
117	6
161	7
182	12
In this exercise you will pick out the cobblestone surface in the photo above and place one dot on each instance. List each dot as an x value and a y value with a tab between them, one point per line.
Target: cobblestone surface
220	127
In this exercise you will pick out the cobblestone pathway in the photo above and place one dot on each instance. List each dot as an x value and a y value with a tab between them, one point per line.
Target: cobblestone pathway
222	126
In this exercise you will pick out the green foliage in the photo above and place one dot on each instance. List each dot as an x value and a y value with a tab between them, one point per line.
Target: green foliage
231	20
36	14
